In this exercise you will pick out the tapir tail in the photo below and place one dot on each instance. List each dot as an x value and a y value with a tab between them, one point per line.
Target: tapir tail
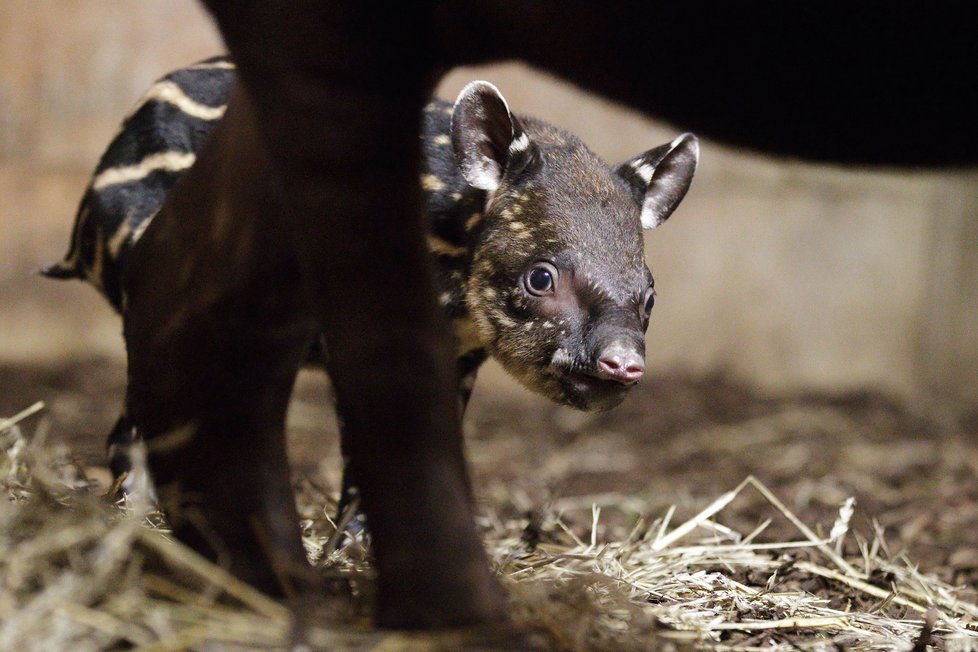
63	269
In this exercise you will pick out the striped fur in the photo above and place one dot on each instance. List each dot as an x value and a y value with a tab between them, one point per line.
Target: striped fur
157	143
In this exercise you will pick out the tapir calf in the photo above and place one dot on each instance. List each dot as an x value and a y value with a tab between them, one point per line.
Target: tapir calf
537	247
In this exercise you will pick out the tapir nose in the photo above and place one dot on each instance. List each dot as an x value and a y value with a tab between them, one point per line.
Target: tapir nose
621	363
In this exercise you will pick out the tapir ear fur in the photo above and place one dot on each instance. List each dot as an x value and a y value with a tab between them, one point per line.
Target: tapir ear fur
486	136
660	177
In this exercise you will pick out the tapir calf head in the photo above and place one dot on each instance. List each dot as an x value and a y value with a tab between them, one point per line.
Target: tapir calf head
559	288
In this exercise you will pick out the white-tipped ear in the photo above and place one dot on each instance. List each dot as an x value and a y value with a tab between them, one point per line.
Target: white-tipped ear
486	137
661	177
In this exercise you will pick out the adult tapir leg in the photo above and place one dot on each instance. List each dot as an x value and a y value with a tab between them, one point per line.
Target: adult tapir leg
339	89
216	328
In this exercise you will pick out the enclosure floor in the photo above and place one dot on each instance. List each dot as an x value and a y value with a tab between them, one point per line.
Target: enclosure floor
676	440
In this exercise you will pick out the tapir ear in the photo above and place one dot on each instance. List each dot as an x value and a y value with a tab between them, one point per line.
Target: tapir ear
660	177
487	137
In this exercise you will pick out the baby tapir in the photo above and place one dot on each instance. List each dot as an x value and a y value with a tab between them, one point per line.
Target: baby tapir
537	243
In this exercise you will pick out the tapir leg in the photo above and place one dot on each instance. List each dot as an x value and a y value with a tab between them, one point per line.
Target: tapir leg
119	446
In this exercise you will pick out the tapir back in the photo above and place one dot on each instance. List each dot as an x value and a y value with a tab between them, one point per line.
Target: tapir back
156	144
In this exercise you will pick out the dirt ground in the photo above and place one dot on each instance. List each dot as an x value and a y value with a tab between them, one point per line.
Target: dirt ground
676	441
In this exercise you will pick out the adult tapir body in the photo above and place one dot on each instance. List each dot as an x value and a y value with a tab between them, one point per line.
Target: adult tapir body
323	121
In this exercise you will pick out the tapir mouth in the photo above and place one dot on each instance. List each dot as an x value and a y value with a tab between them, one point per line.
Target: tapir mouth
588	392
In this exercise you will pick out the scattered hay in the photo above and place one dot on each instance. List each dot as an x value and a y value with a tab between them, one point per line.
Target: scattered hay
725	591
82	573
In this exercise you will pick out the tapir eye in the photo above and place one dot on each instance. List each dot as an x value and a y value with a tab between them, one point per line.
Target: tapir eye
649	300
540	279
